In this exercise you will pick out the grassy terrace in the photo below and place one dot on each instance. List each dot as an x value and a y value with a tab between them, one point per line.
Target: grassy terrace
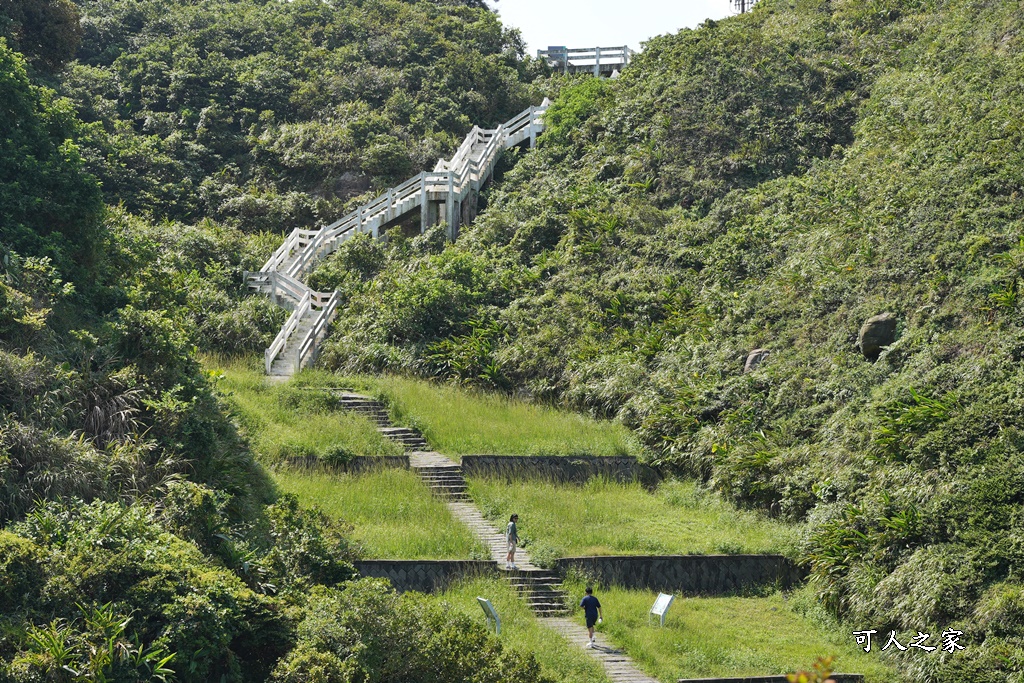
522	631
285	421
607	518
392	513
736	636
457	421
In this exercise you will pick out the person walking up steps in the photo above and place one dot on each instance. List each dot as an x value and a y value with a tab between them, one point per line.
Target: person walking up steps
592	611
512	536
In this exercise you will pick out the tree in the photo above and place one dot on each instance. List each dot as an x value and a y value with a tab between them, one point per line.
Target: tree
46	31
49	206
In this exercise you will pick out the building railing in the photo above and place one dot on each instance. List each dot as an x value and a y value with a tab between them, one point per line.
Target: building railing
579	60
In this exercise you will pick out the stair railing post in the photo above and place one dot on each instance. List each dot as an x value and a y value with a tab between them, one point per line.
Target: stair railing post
424	209
392	209
533	128
450	206
597	64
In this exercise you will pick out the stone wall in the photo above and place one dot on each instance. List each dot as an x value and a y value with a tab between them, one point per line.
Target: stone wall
688	574
838	678
575	469
425	576
362	463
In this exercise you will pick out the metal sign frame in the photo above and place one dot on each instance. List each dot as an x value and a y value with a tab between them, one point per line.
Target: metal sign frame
491	614
661	606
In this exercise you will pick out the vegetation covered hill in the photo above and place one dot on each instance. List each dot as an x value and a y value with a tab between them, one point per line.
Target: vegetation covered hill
139	540
772	181
271	115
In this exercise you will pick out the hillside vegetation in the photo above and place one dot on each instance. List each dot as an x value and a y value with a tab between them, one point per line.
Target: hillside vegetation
772	181
139	538
768	181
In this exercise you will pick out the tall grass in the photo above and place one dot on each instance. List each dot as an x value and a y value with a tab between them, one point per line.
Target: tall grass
392	512
736	636
283	421
459	421
455	421
609	518
522	631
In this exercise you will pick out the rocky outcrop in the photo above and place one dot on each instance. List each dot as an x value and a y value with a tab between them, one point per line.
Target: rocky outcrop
754	359
876	333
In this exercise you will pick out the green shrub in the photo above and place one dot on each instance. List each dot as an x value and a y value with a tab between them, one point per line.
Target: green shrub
369	632
21	573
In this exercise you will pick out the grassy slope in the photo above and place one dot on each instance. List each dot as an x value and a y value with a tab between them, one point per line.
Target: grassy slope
607	518
457	421
283	422
465	422
521	630
392	513
737	636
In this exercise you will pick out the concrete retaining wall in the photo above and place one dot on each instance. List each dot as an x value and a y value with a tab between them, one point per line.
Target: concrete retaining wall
560	469
425	576
688	574
838	678
355	465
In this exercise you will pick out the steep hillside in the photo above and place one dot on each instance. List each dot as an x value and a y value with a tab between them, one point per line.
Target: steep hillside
270	116
772	181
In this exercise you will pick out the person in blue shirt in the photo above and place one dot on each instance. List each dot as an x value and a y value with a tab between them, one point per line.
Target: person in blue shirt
592	611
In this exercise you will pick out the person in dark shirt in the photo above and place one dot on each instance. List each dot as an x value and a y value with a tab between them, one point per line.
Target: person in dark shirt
592	611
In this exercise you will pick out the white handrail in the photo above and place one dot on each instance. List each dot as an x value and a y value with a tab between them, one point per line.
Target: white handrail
301	249
282	337
310	346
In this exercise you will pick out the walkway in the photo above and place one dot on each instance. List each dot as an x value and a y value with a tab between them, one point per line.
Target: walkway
617	665
447	193
541	589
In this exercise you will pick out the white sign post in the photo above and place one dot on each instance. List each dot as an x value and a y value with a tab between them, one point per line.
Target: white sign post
661	606
492	616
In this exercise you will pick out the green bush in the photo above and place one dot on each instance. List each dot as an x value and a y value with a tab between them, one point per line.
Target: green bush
369	632
21	573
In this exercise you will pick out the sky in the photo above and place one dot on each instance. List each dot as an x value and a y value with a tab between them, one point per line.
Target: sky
603	23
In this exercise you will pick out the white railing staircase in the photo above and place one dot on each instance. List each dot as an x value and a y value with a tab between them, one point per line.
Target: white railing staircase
436	194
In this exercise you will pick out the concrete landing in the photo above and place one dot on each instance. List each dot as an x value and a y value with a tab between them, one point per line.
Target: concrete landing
421	459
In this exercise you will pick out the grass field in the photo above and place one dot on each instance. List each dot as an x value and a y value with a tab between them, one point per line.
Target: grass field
737	636
285	421
522	631
608	518
392	513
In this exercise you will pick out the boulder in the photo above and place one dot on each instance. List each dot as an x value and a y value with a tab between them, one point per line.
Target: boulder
754	359
877	331
349	184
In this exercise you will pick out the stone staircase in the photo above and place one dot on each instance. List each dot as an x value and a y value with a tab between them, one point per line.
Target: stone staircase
445	482
541	589
377	412
410	439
